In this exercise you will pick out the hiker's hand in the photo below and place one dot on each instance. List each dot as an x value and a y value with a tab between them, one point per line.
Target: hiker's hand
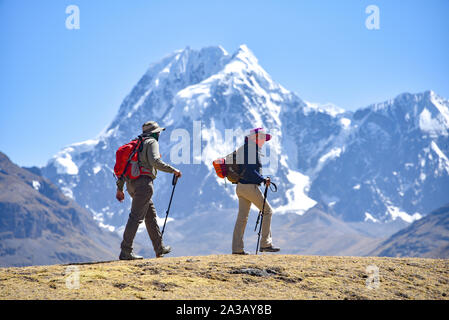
267	181
120	196
177	173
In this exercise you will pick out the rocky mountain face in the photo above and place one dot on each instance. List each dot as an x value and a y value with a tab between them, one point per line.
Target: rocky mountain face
393	164
427	237
39	225
386	163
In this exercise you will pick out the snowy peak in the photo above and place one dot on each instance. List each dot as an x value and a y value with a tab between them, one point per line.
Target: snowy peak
431	114
67	161
202	63
442	105
397	155
153	94
327	108
244	54
244	66
188	60
424	111
240	77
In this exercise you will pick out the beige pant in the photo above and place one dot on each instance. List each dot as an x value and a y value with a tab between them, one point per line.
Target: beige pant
248	194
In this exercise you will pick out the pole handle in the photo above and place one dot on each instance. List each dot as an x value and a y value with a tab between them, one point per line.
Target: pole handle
174	180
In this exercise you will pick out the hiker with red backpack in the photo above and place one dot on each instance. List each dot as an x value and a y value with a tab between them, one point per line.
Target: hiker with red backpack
136	165
243	167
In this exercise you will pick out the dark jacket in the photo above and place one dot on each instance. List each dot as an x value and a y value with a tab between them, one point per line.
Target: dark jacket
252	167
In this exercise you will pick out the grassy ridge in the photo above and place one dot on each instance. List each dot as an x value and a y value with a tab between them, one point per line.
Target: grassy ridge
233	277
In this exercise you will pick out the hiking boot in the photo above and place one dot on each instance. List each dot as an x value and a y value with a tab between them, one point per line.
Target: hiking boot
129	256
270	249
165	250
242	253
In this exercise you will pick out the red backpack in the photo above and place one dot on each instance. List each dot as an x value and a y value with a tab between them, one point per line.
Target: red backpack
127	160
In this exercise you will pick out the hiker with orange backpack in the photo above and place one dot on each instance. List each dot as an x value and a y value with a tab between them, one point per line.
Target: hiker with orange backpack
136	165
243	167
249	193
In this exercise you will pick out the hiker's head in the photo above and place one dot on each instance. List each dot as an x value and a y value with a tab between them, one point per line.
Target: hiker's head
152	127
258	136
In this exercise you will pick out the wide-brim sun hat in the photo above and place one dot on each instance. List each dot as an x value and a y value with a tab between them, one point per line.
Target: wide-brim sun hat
152	127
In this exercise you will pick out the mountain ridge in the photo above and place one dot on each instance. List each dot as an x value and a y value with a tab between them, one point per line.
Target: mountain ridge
427	237
38	225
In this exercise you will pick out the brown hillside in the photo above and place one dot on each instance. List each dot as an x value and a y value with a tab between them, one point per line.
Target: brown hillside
233	277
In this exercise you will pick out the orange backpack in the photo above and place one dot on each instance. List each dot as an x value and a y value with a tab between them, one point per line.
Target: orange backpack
232	171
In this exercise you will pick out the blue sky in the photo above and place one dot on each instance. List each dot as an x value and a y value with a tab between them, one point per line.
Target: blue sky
60	86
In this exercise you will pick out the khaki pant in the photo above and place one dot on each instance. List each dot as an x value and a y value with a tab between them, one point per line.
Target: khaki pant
142	208
248	194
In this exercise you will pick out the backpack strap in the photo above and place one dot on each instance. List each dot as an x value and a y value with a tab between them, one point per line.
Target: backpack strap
141	139
234	162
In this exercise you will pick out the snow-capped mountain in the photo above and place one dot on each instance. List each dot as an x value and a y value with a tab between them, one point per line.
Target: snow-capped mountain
381	163
391	161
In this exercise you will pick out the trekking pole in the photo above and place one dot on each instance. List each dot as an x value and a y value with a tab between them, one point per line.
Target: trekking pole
258	216
262	212
265	195
173	182
261	216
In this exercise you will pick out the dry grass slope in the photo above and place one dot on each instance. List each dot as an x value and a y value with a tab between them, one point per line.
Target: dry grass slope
234	277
